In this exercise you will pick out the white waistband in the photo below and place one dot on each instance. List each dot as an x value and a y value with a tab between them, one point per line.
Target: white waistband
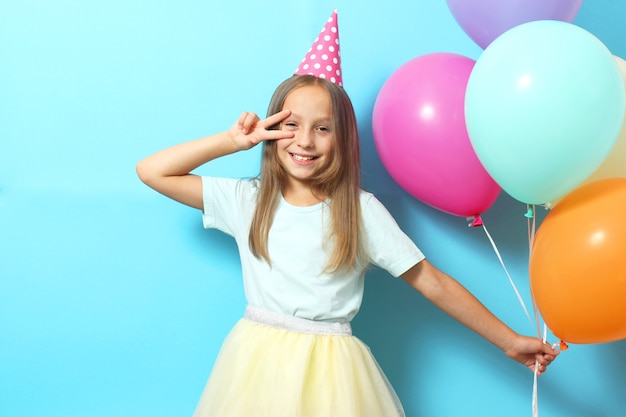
296	324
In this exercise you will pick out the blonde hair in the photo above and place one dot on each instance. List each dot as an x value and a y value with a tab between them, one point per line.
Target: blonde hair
340	180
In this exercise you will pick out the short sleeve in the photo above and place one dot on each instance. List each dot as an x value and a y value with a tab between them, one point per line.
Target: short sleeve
227	204
389	247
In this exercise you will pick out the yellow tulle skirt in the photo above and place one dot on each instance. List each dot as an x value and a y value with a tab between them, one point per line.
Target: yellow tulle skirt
278	366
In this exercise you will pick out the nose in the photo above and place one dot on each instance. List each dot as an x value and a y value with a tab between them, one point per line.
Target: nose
304	139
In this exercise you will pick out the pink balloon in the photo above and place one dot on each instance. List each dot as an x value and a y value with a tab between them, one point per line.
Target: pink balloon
420	135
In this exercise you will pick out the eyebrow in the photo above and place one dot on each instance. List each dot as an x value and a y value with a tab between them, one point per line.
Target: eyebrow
323	119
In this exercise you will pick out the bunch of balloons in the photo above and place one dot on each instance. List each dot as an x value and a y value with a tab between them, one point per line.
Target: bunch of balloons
540	116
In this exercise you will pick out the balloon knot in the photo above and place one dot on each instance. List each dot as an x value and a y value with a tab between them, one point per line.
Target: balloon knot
560	345
476	221
530	213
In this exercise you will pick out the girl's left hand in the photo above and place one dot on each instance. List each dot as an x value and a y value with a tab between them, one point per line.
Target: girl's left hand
530	351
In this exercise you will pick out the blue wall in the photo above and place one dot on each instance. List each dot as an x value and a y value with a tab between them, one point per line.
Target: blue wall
114	301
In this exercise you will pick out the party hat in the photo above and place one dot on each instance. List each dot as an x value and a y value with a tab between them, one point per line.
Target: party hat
323	59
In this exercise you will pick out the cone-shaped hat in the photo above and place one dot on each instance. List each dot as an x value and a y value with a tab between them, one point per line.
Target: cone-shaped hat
323	60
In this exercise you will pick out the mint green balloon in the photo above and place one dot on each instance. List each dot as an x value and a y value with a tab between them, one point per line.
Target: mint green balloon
543	107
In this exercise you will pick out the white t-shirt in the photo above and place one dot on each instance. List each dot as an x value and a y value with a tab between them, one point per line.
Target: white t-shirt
294	284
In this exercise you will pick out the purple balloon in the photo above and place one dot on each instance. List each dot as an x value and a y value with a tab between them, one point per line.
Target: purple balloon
485	20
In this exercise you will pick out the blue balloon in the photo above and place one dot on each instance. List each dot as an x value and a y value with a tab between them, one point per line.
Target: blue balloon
543	107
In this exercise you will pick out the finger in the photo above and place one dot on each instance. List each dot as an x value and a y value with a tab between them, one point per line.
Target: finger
547	349
540	365
276	134
545	360
241	119
536	368
246	121
250	120
276	118
541	360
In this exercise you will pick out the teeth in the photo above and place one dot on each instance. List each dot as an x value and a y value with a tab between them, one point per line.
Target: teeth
302	158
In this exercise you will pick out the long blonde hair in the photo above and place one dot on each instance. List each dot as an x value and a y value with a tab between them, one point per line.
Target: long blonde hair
340	180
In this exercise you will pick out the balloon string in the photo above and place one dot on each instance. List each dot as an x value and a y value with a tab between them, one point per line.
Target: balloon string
535	401
532	229
495	248
530	215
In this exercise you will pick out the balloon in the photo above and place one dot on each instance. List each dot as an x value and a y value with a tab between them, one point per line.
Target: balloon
420	135
543	107
578	264
485	20
614	165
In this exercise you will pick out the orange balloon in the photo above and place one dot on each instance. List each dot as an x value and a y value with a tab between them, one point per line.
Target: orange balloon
578	264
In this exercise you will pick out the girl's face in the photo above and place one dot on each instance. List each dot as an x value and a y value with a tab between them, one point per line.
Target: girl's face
310	150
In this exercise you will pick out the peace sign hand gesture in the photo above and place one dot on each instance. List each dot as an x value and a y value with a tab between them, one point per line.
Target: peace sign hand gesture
249	130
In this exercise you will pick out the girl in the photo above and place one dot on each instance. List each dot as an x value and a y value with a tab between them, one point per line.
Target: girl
306	233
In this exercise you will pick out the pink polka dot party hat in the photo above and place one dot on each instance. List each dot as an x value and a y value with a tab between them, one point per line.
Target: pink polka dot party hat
323	59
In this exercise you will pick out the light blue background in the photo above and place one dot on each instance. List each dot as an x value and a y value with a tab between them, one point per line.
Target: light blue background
114	301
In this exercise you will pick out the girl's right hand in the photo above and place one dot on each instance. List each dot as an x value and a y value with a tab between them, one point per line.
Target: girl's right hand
249	130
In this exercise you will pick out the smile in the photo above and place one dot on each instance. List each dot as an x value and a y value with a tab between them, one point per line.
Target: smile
302	158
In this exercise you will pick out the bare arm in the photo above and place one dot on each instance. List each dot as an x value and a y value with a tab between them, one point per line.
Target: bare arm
169	171
451	297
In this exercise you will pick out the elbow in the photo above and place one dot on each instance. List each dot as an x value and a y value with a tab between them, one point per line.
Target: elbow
144	173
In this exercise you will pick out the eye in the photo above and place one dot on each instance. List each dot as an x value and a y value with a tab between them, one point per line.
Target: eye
289	125
324	129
